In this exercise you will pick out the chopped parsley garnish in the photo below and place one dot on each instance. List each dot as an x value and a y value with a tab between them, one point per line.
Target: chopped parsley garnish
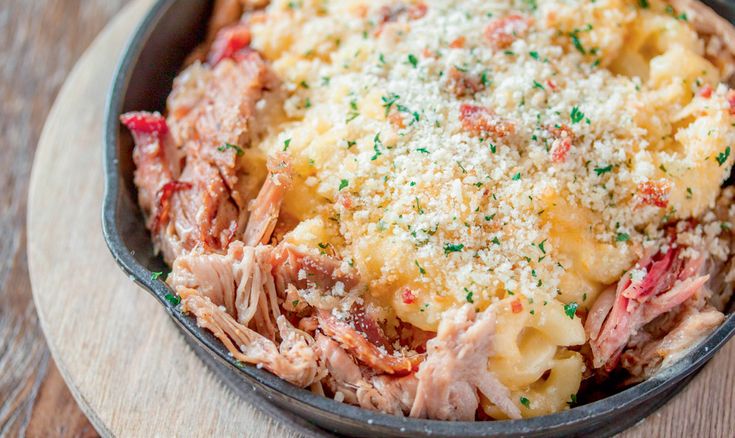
286	144
722	156
493	148
156	275
484	79
468	297
173	299
576	115
622	237
376	147
342	184
541	246
600	170
295	303
412	60
644	5
303	84
350	143
453	247
534	54
571	309
422	150
388	102
238	150
536	84
496	240
525	402
577	43
490	217
422	271
352	115
572	400
418	207
516	177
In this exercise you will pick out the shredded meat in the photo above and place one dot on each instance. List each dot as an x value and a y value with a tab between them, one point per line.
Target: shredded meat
293	360
670	279
456	368
373	354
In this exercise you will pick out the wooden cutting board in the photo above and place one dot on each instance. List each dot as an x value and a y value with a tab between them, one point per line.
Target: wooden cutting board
126	363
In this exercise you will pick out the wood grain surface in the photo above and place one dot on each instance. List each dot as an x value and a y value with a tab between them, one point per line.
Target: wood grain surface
124	360
39	43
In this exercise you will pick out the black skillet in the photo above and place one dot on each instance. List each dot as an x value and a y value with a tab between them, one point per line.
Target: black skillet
144	77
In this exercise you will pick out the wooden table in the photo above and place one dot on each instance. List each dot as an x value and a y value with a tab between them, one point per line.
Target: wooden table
40	42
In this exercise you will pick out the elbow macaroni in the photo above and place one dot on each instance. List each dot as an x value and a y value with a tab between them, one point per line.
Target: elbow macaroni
388	177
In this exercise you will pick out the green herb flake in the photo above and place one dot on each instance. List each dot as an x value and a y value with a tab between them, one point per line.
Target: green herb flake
571	309
342	184
388	102
601	170
174	300
577	43
576	115
238	150
468	297
525	402
376	147
413	60
536	84
516	177
722	156
533	54
453	247
622	237
156	275
286	144
422	150
422	271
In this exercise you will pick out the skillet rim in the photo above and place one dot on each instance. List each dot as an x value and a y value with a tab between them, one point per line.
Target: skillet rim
576	420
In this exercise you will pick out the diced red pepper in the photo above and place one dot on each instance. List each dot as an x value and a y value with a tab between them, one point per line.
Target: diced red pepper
458	43
230	43
654	193
417	10
516	306
706	91
478	120
408	296
501	32
464	84
145	123
563	138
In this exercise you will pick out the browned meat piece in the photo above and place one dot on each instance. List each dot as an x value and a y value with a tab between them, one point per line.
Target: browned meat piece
456	368
669	279
240	281
692	325
381	393
204	215
372	354
294	360
304	270
209	110
266	207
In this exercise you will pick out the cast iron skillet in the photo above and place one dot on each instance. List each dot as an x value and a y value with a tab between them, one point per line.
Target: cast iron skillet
144	77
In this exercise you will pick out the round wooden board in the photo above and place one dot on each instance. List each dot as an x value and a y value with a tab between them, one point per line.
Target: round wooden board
126	363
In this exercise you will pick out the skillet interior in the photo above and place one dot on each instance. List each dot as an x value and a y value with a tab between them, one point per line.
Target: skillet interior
144	77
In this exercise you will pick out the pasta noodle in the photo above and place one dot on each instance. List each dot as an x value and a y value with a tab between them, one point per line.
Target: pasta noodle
448	209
